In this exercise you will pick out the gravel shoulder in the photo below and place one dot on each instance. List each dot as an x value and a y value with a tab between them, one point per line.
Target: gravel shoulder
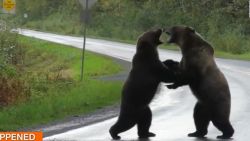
77	121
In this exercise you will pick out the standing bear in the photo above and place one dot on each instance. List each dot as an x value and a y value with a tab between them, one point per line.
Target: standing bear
207	82
141	85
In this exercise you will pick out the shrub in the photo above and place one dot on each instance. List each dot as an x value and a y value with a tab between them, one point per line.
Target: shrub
13	90
12	87
231	41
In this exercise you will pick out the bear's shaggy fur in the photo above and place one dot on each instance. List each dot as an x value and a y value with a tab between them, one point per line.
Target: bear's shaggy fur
141	85
207	82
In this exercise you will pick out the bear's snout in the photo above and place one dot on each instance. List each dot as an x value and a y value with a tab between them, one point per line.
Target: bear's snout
169	32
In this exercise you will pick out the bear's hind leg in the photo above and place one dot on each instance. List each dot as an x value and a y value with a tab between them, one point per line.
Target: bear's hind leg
225	127
220	119
123	124
201	120
144	122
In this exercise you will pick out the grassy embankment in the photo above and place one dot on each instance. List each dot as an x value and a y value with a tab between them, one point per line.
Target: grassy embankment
52	71
219	54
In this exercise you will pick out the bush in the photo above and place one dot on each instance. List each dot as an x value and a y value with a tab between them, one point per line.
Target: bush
13	90
8	46
12	87
231	41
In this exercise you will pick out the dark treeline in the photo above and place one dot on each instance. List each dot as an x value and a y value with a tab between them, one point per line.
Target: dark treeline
225	23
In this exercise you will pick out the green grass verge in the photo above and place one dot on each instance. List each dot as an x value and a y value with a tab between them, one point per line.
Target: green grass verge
133	42
57	55
218	53
83	98
57	98
226	55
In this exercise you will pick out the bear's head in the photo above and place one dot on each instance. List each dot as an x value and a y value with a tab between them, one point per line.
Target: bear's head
179	34
150	38
186	38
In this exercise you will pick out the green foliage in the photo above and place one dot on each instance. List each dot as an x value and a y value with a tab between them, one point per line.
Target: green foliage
62	69
13	89
219	21
83	98
8	48
231	41
52	73
224	23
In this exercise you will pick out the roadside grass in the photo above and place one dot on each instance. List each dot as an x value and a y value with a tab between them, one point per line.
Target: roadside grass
226	55
52	71
69	57
133	42
218	53
170	47
85	97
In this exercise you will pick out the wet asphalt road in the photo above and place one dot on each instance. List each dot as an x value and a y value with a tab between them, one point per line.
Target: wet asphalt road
172	109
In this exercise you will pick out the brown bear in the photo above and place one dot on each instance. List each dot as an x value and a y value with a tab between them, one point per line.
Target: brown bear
207	82
141	85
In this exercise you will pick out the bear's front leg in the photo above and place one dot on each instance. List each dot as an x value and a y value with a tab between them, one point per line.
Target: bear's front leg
171	64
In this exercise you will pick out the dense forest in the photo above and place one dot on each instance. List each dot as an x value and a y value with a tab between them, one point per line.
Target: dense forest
225	23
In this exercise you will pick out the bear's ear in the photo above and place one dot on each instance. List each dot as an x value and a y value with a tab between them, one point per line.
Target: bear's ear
191	29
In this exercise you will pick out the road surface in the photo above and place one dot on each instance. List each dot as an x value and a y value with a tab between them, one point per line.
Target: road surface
172	109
